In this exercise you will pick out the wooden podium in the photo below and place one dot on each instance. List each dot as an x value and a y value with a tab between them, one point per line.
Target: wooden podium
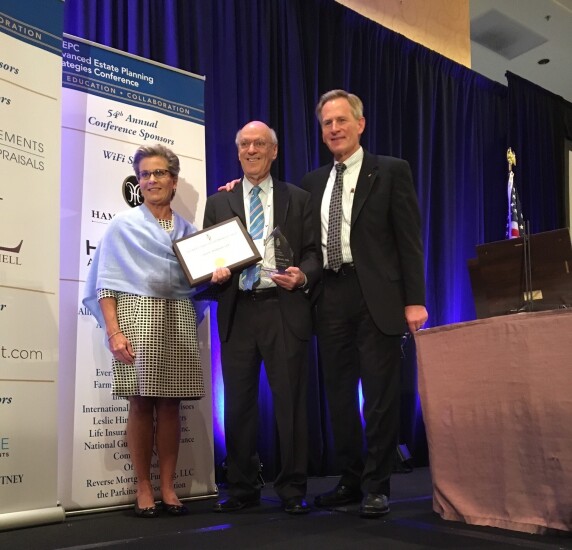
498	274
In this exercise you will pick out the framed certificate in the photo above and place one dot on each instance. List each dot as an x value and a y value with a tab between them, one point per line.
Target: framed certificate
226	244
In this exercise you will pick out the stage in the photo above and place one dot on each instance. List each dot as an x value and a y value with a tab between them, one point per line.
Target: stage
411	525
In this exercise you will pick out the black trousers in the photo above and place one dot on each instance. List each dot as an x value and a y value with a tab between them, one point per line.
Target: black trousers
259	334
352	348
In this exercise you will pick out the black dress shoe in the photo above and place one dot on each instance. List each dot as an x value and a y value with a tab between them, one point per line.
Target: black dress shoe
232	504
373	506
339	496
151	512
175	509
296	505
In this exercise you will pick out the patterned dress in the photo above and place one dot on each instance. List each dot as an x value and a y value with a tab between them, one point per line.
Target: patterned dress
163	334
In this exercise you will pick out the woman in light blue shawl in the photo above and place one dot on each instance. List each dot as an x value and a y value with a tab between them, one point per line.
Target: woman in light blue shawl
137	290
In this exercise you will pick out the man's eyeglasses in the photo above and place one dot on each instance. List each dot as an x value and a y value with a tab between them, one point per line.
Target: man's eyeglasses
159	174
258	144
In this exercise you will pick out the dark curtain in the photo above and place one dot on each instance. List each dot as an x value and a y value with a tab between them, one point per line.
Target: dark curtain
271	60
540	122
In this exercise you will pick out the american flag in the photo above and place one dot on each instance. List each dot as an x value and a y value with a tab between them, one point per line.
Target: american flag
515	222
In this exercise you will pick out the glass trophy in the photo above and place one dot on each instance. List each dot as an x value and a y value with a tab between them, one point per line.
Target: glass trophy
283	255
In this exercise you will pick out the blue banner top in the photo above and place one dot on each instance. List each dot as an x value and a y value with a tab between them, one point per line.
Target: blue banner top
106	72
40	24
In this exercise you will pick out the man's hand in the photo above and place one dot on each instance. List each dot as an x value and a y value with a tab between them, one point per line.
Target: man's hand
415	317
229	186
292	278
220	275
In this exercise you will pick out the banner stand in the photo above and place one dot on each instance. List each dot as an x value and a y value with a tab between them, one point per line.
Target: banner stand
116	507
29	518
30	153
113	102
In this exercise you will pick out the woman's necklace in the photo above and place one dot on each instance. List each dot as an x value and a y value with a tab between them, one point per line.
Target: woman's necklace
167	224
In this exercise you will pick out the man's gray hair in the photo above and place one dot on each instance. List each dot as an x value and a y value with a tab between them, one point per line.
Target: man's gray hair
354	101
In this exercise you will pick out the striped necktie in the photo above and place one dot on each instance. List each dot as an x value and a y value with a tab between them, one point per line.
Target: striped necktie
334	240
251	275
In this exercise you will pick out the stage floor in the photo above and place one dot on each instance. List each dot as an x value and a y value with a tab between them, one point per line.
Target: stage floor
411	525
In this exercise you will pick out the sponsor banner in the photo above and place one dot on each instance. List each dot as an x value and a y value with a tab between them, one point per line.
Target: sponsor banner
105	118
30	161
30	105
28	397
108	73
39	24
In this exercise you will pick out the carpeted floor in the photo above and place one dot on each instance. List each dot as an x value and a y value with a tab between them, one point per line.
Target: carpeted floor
411	525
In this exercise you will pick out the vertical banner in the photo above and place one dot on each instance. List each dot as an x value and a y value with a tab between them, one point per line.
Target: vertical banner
113	103
30	102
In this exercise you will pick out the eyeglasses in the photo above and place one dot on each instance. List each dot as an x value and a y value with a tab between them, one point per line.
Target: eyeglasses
257	143
159	174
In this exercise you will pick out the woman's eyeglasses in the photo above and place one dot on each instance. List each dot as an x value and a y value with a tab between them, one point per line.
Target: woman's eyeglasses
159	174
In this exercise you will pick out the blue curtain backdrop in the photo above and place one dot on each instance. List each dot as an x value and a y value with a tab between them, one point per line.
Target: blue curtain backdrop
272	59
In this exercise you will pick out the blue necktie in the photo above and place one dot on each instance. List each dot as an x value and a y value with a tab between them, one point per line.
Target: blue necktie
251	275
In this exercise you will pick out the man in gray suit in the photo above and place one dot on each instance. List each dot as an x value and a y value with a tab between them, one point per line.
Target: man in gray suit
268	319
368	234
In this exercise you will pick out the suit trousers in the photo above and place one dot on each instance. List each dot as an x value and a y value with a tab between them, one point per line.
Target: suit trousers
352	348
258	334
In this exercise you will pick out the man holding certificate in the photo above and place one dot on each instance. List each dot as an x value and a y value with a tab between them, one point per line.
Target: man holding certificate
264	315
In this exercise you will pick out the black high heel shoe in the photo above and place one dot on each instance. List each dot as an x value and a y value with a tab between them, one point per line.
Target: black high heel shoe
151	512
175	509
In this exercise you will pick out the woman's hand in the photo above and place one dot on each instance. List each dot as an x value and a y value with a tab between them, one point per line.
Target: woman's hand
121	348
220	275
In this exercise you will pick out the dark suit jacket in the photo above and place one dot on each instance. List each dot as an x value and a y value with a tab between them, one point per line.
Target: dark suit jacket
292	212
385	237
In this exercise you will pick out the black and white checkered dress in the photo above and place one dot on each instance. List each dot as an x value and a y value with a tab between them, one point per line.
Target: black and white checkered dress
163	334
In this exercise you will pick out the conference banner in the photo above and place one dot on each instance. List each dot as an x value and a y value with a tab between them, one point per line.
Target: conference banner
30	102
114	102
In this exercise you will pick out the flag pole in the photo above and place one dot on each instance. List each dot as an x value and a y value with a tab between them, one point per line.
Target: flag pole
515	215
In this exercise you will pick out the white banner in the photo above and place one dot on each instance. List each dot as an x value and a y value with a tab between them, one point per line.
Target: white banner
30	102
113	103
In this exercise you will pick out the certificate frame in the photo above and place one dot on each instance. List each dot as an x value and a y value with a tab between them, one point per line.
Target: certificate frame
225	244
